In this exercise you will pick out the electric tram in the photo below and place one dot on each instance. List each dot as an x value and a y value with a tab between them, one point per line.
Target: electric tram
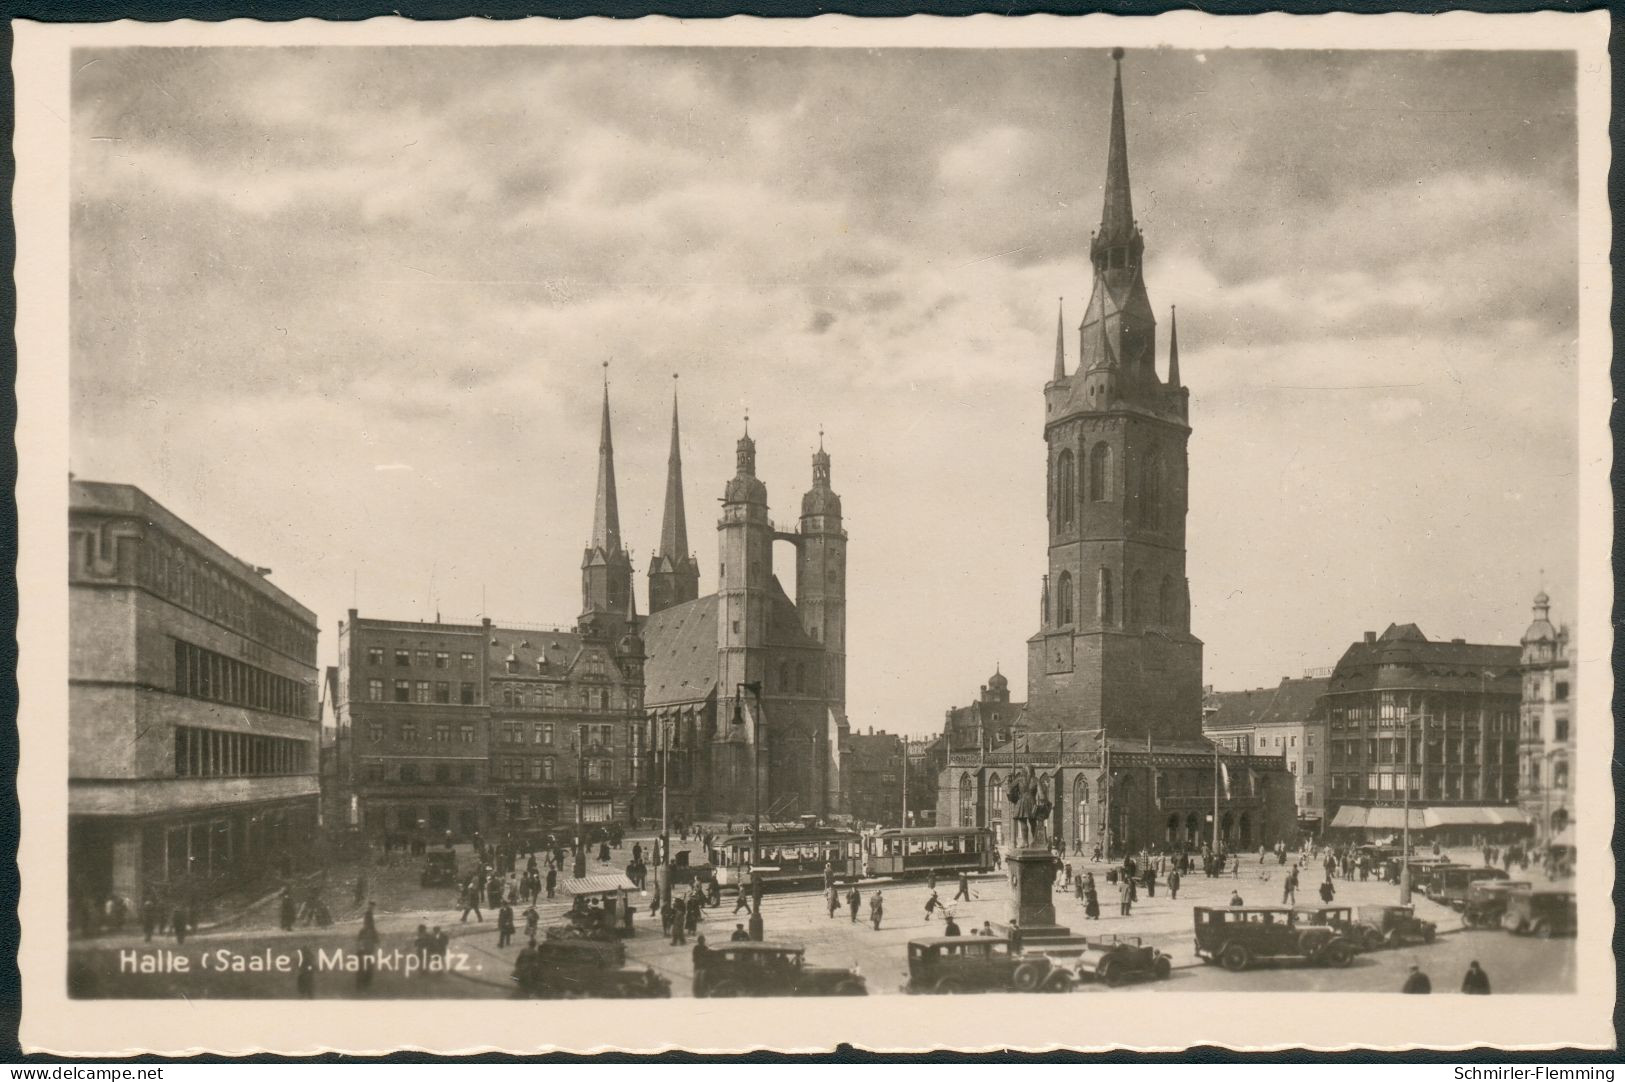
917	851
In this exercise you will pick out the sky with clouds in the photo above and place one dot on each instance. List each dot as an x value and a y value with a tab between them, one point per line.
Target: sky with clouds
345	310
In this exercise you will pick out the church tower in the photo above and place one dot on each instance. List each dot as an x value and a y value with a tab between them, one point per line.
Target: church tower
1115	650
821	577
674	573
606	569
744	585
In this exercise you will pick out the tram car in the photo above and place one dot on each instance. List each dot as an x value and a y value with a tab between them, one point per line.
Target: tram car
914	852
788	857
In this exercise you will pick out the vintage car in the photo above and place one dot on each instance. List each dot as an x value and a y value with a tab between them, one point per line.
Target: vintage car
584	969
771	969
1235	936
1422	870
1117	959
1449	884
601	914
948	965
1487	901
439	869
1542	913
1339	918
1392	925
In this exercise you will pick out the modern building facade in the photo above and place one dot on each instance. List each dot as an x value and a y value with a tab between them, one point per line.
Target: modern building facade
1112	722
192	707
745	691
1428	724
1545	732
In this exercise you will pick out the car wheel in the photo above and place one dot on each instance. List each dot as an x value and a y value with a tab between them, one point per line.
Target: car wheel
1162	968
726	990
850	988
1542	930
949	986
1027	977
1428	932
1109	973
1234	958
1058	981
1339	955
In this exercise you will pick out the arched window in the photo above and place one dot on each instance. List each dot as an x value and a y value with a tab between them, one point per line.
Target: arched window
784	676
801	676
1166	603
1100	472
1151	489
1105	606
1065	488
1134	604
967	801
1063	599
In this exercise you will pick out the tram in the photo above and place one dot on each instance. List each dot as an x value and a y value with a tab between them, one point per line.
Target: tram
788	857
917	851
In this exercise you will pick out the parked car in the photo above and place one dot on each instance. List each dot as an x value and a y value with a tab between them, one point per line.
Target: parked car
1339	918
947	965
439	869
1237	936
1449	885
1116	959
586	969
1422	870
771	969
1542	913
1393	925
1487	901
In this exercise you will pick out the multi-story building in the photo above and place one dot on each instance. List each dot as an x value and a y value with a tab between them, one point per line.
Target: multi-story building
1431	724
1545	736
192	707
1281	721
926	760
1112	724
413	737
875	777
987	722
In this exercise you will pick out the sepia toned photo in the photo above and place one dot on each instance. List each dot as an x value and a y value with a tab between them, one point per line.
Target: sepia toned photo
583	514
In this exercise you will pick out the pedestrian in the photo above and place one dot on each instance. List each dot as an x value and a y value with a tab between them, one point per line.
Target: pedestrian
931	904
1091	897
877	909
740	898
702	960
149	915
179	921
739	935
1327	891
1235	899
1125	895
964	887
366	945
831	900
552	879
1289	888
853	900
1077	888
504	925
1417	984
930	880
952	928
288	910
668	916
1173	884
471	902
679	926
1476	982
1150	882
829	880
532	919
691	914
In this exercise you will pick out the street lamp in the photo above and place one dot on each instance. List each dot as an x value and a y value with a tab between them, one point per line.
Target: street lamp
578	745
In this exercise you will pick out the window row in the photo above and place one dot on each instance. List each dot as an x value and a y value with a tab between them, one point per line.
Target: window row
417	773
204	674
1433	786
563	697
545	769
197	585
438	659
591	737
219	753
423	691
1139	608
408	732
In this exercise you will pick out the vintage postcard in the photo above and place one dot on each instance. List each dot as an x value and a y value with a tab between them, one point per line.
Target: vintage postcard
1093	531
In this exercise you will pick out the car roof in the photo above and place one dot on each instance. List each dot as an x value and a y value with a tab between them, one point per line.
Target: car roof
761	948
1246	908
941	940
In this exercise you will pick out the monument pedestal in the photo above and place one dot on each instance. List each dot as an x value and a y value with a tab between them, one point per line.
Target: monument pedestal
1032	896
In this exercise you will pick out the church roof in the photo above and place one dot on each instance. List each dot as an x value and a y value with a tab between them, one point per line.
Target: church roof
681	645
1291	701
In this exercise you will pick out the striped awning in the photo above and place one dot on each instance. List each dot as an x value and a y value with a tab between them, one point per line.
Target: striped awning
595	884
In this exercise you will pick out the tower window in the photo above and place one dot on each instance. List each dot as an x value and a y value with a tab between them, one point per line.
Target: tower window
1063	599
1065	488
1165	602
1107	611
1100	472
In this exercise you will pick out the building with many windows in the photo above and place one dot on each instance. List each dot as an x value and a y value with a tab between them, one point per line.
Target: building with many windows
1281	721
875	778
1545	735
192	707
1436	718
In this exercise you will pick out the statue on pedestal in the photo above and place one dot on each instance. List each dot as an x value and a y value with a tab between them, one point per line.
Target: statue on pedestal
1030	804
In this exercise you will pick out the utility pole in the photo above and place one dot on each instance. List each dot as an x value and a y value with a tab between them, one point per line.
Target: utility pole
1215	800
665	830
905	782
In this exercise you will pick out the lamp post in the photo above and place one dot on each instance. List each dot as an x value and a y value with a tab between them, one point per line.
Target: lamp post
578	745
755	688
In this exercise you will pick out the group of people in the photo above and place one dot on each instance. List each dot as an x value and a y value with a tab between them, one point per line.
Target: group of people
1475	982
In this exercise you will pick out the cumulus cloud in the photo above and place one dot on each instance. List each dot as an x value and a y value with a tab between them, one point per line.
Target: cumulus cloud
297	271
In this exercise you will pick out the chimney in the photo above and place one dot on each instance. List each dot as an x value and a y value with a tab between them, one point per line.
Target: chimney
1370	636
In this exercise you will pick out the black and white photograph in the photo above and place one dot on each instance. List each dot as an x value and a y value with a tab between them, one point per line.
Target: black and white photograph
956	509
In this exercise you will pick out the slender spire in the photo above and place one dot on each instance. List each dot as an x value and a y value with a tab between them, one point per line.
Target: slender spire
1173	345
606	516
1060	341
674	522
1117	215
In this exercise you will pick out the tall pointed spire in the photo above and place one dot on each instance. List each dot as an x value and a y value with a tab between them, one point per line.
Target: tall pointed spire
606	515
1060	341
674	522
1117	215
1173	346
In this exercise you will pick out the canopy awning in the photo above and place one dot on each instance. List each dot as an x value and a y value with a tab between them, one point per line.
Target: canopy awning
595	884
1349	817
1474	816
1393	819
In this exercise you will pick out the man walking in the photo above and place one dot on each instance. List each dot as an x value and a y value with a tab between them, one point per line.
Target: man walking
1417	984
877	909
964	887
1125	895
853	900
1173	885
1476	982
471	902
831	900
